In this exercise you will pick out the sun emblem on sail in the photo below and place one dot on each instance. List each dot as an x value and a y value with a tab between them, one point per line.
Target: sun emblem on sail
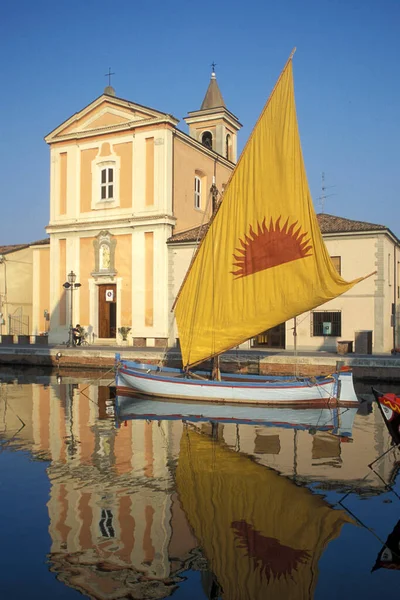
269	247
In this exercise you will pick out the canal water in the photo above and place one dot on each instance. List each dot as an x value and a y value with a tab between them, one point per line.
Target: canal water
98	501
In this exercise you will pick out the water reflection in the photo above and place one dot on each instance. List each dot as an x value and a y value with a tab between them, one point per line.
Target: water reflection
137	505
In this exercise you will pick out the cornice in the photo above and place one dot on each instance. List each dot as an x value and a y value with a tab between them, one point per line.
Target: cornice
118	127
73	226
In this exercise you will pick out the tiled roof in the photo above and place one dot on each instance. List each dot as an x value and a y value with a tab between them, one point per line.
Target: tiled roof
15	247
327	223
332	224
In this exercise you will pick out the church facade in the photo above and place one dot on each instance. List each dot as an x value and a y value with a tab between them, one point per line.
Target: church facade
123	180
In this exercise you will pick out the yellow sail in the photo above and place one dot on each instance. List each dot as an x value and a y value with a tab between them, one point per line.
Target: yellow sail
263	259
261	534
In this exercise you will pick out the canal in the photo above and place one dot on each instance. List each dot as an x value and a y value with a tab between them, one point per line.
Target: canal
101	502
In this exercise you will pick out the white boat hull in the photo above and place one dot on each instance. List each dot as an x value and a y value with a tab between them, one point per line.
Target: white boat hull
171	383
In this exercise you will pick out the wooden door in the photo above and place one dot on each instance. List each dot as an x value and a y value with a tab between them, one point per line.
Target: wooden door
107	311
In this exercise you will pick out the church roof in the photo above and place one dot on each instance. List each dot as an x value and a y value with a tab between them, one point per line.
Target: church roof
213	97
327	223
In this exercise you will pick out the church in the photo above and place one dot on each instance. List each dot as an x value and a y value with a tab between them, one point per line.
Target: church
123	180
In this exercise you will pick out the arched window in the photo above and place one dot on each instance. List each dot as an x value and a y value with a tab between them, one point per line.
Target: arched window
228	146
206	139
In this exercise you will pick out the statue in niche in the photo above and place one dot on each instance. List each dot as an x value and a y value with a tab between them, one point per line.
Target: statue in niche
104	257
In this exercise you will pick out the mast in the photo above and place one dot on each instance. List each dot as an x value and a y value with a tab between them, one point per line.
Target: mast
215	371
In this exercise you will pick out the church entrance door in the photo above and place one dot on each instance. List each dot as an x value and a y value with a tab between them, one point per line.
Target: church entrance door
107	311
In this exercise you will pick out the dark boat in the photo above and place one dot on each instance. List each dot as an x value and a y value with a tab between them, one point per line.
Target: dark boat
389	406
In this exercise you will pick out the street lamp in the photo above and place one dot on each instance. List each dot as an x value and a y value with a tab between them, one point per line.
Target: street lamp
71	285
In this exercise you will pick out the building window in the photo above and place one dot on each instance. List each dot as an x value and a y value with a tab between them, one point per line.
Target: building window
197	192
107	184
206	139
337	263
389	269
326	323
228	147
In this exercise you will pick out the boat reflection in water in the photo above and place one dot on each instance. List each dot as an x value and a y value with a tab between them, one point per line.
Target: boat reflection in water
389	556
135	510
337	420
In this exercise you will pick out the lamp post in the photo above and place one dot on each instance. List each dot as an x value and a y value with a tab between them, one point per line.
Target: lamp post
71	285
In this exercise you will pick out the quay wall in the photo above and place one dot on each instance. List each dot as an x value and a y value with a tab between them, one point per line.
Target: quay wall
368	368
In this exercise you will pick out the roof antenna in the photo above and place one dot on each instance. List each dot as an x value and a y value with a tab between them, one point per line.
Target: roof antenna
324	196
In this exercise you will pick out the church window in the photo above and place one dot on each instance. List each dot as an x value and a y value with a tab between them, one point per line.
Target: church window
228	147
105	181
207	140
107	184
197	192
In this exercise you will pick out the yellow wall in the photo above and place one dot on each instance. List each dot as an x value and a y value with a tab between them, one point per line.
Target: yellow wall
187	161
123	263
149	278
63	183
44	285
149	193
63	278
124	151
86	178
86	251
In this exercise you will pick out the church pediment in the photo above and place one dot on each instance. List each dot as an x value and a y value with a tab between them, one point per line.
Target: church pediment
103	115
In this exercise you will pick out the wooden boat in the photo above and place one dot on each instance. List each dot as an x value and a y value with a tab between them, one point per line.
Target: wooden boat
234	388
262	261
336	420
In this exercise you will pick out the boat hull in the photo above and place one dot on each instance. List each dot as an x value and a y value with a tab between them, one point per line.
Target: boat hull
171	383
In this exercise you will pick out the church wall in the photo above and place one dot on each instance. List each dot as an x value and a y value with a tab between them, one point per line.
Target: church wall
123	264
62	277
188	162
87	156
63	183
86	266
124	151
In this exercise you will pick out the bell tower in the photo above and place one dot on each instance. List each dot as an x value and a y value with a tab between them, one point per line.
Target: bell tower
214	125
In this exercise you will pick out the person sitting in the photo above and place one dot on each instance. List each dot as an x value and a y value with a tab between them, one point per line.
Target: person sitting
77	334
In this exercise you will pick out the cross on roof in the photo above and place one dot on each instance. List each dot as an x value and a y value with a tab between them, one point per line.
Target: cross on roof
213	64
109	75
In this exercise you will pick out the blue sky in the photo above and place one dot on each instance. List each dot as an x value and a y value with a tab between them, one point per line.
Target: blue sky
346	70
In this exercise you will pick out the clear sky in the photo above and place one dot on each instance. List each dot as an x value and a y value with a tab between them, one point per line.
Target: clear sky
347	81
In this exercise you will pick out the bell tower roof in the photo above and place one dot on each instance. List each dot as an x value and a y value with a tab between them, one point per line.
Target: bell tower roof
213	125
213	97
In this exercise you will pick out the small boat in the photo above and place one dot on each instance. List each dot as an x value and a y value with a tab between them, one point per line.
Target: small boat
389	406
337	420
165	382
261	262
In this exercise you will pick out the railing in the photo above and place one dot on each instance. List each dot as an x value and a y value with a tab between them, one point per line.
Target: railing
18	323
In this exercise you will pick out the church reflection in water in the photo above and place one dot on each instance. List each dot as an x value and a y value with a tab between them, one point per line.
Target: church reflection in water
135	505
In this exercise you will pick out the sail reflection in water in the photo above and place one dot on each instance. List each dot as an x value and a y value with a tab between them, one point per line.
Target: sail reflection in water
134	509
262	534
